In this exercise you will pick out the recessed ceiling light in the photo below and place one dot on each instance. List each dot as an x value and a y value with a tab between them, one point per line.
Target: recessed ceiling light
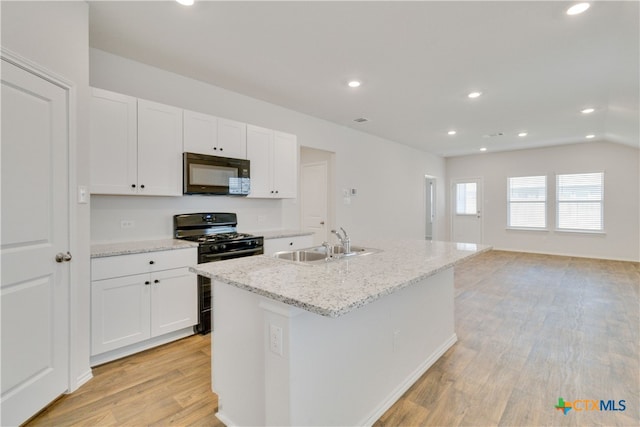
588	110
354	83
474	94
578	8
590	136
483	149
185	2
451	132
522	134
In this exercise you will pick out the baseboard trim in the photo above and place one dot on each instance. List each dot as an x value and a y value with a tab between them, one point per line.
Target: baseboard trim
408	382
118	353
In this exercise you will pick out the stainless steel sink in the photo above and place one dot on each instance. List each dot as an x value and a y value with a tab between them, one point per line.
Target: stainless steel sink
300	256
318	254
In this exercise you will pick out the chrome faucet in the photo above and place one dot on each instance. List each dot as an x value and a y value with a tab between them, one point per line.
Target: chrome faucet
344	240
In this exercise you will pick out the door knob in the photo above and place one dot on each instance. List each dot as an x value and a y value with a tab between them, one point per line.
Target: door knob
61	257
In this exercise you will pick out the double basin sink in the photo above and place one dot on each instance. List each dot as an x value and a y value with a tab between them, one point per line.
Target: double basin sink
321	254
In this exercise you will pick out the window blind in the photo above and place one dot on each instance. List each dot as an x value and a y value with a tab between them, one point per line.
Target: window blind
579	198
527	202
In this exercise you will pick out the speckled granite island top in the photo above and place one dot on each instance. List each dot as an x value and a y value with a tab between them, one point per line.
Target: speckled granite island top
334	288
101	250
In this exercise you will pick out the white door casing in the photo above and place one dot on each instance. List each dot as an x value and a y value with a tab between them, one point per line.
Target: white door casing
314	201
34	290
466	210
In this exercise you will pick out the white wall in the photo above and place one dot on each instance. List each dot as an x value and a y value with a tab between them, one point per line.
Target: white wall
388	176
621	197
55	35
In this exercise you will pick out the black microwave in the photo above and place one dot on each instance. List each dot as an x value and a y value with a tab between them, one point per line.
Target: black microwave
215	175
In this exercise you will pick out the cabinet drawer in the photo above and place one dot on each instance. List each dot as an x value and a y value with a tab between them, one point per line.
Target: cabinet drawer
148	262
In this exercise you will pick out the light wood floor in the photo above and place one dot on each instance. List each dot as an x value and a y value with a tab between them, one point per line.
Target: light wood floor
531	329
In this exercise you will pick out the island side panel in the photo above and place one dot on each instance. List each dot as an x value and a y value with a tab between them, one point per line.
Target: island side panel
238	367
332	371
350	370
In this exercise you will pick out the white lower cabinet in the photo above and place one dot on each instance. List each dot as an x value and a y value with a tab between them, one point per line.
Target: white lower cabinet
272	246
132	312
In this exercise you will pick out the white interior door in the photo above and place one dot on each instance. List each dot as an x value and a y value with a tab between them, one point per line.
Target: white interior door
313	196
35	227
466	210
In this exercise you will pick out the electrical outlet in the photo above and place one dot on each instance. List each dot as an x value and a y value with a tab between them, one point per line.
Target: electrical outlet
127	223
275	339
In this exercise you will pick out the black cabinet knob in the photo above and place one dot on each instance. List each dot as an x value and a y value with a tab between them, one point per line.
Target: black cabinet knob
147	282
152	262
142	186
221	149
156	281
133	186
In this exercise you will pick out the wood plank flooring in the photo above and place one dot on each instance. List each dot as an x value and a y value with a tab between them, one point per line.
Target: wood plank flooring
531	329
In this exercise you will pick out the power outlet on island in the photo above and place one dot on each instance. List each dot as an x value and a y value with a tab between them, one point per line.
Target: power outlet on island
275	339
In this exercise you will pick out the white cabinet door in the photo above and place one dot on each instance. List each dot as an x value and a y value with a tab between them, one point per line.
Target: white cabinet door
174	301
285	165
259	142
232	139
113	136
200	133
159	149
274	163
120	312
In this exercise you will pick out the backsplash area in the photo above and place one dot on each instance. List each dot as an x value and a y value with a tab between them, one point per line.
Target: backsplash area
125	218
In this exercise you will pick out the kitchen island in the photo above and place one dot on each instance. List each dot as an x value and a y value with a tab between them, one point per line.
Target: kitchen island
334	343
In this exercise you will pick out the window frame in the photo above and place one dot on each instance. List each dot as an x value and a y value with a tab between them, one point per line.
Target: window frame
601	230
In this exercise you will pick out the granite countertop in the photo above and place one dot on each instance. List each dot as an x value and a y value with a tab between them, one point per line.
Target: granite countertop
334	288
101	250
279	234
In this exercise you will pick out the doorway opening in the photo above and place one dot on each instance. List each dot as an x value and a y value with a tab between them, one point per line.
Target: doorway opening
317	208
430	207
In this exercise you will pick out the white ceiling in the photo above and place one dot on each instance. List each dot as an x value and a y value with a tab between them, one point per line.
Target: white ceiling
536	66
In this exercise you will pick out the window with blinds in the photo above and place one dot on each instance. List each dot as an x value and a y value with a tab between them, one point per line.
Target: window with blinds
527	202
466	199
580	201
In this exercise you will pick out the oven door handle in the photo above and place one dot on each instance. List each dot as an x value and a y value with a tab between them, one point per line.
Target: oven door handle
233	254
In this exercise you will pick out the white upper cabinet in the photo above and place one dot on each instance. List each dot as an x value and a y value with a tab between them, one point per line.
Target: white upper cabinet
159	149
285	165
114	143
232	139
205	134
136	146
274	163
200	133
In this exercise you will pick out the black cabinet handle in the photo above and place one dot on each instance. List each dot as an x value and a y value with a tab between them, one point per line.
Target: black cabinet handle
221	149
147	282
215	148
133	186
156	281
152	262
142	186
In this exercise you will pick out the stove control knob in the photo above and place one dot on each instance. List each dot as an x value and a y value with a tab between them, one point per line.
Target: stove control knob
223	247
213	248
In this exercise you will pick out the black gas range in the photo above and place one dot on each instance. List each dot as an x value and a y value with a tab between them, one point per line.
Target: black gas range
218	240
